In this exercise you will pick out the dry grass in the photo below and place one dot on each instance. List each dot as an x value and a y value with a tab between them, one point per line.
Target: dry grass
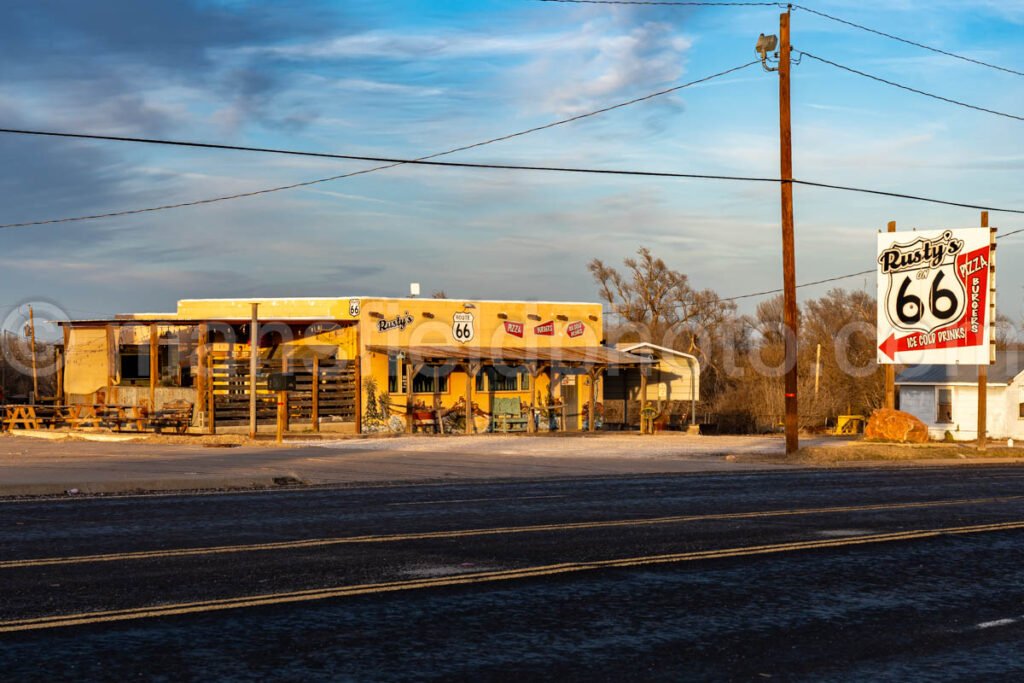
856	451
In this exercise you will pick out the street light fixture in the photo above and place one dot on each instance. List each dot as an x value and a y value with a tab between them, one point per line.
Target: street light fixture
766	44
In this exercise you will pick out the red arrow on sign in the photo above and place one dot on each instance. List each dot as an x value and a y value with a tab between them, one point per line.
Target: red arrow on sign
949	340
889	347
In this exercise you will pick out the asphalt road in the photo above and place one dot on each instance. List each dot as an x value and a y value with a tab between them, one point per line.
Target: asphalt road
820	575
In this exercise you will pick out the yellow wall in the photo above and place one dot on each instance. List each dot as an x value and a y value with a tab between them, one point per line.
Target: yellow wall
269	309
488	331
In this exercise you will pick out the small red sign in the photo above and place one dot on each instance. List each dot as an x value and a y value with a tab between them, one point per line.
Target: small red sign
515	329
575	329
545	329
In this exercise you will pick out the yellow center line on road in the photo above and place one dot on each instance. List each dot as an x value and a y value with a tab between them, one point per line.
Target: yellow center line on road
270	599
463	533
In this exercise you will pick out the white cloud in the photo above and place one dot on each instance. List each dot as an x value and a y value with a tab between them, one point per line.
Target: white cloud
400	46
364	85
614	59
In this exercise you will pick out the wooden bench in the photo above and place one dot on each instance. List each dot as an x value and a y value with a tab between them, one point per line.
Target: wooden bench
176	415
508	415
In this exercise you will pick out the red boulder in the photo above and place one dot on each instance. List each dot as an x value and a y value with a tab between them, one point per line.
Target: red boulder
886	424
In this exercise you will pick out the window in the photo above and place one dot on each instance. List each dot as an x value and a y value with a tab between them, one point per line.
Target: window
944	408
432	379
396	376
1020	401
134	363
503	378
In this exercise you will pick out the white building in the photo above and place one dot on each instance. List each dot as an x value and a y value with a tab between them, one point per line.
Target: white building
945	397
673	387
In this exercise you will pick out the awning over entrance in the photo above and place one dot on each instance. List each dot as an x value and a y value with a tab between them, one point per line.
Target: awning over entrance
563	356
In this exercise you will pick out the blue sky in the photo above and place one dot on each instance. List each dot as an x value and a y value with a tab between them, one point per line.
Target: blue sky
407	78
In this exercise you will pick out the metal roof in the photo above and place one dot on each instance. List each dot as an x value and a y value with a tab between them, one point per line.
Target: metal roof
1008	365
185	322
632	347
366	297
558	355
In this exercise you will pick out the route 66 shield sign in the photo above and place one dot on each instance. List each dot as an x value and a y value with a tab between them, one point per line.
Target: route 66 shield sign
934	296
462	327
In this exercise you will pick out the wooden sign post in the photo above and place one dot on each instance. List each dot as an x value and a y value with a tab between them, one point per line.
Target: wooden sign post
890	370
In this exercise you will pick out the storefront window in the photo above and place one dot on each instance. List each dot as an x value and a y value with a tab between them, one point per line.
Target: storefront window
431	380
503	378
396	376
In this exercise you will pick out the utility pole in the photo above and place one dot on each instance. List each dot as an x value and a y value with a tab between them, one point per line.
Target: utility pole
788	254
890	370
983	369
35	371
3	366
817	371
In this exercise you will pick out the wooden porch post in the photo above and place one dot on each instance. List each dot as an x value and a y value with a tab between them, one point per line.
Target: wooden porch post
535	370
66	329
314	412
285	365
552	375
409	374
359	381
643	399
254	356
182	342
359	392
593	372
112	343
154	364
472	370
58	359
200	374
211	398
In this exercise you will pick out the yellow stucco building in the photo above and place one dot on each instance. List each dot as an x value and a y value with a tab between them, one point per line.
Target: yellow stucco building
358	363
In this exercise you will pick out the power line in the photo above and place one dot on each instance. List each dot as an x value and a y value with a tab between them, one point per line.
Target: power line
910	89
908	42
805	284
316	181
668	4
519	167
623	172
836	278
831	17
605	171
900	195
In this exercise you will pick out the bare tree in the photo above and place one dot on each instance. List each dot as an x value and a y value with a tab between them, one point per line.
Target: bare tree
656	303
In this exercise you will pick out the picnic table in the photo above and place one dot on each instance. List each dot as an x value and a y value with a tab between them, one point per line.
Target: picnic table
175	415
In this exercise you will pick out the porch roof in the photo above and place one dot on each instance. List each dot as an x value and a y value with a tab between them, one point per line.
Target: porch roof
566	356
1008	365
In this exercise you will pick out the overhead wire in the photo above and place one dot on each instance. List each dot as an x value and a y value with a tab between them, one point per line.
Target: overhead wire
908	41
800	286
835	278
666	3
805	8
949	100
280	188
392	161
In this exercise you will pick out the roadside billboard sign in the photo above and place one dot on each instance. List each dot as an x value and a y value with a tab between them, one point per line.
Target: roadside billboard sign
934	297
